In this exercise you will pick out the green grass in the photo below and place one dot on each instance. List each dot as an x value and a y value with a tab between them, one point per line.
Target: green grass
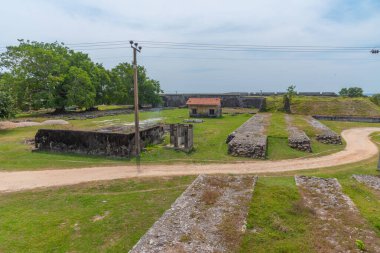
326	106
278	147
276	221
209	143
62	219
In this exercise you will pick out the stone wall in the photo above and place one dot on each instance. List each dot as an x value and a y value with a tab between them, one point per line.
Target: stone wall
95	143
228	100
297	138
325	135
348	118
250	140
181	137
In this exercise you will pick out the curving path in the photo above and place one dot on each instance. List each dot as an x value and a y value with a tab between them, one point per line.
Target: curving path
359	147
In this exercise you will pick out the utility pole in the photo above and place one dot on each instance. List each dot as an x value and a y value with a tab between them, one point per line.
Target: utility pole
136	49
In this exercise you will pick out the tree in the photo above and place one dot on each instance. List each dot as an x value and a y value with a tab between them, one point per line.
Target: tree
343	92
122	90
288	98
351	92
376	99
291	92
7	107
36	70
80	91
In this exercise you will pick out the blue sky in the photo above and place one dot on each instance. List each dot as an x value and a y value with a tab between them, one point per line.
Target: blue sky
255	22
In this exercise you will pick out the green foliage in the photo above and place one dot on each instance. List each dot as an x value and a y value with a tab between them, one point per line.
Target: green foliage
122	77
41	76
80	92
360	244
352	92
291	92
7	107
376	99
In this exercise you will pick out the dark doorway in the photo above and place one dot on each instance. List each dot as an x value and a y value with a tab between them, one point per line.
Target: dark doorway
193	111
212	112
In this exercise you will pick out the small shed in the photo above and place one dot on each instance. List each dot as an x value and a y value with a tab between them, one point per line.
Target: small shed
204	107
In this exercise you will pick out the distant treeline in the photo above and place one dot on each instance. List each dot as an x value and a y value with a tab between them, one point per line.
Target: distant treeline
37	75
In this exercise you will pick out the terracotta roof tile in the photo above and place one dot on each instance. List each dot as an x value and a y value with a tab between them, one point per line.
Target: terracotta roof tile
203	101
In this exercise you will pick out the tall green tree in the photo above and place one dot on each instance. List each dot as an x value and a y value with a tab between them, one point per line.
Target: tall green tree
80	91
122	79
36	69
351	92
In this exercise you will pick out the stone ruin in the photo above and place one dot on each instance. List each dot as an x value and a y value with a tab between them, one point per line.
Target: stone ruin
210	216
297	138
96	143
325	135
250	140
181	137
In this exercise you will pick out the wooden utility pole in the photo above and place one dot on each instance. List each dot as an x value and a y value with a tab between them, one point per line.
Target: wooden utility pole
136	97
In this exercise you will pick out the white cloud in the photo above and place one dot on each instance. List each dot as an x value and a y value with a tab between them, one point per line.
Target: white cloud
271	22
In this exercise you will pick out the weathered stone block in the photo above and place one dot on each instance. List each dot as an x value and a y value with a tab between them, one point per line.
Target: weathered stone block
95	143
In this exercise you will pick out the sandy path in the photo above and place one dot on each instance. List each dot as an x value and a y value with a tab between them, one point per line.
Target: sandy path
359	147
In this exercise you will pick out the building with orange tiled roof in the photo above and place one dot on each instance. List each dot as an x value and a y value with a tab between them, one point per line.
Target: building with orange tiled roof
205	107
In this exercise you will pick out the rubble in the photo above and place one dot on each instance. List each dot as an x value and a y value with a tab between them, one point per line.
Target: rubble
338	223
210	216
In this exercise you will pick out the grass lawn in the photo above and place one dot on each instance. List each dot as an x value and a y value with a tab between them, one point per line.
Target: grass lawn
209	142
92	217
278	139
326	106
276	220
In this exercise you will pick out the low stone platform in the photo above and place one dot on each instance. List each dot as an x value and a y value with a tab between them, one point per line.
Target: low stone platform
210	216
248	145
337	222
325	135
250	140
369	180
299	140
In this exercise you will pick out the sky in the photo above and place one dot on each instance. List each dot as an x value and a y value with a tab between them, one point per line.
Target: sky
326	23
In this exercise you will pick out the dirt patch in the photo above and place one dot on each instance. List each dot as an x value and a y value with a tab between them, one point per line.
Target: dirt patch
338	226
210	216
11	124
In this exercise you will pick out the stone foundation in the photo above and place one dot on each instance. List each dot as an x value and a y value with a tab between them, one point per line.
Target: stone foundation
329	137
299	140
210	216
250	140
95	143
325	135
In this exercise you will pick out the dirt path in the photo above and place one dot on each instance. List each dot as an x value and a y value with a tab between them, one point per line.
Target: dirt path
359	147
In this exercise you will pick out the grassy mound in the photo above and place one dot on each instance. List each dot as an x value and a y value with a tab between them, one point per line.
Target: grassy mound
327	106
